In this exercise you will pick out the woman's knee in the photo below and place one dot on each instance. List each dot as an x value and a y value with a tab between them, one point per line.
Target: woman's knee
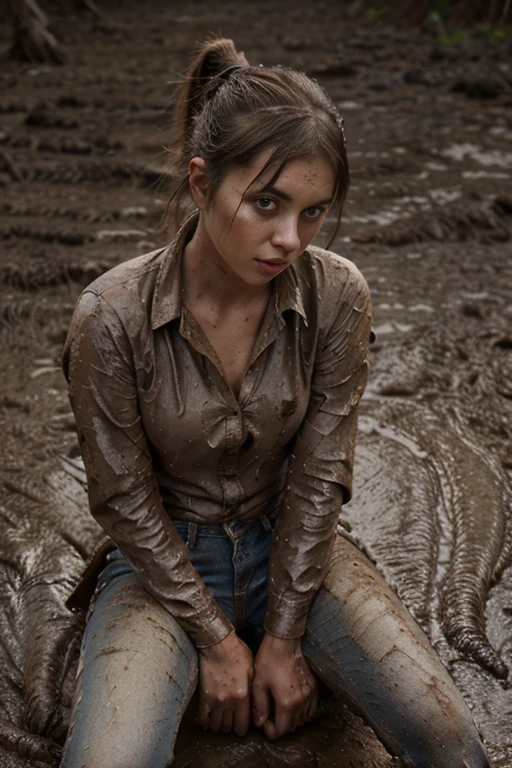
122	737
139	670
455	749
396	682
120	758
447	761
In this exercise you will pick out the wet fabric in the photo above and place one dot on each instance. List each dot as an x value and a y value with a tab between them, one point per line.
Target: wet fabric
137	672
164	438
139	669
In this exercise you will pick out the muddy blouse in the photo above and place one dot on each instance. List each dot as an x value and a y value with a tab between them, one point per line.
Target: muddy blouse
164	438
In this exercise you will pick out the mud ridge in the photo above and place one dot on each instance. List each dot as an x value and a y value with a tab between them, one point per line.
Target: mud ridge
105	171
481	222
41	270
82	213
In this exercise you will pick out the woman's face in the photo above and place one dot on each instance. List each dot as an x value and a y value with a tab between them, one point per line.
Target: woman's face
257	231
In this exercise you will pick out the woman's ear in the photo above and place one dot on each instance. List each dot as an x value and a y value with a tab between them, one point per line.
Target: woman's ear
198	182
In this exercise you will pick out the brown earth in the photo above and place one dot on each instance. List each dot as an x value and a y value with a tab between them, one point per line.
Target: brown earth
428	220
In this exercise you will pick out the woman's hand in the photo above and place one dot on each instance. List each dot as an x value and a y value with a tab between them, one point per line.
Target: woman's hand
226	671
284	690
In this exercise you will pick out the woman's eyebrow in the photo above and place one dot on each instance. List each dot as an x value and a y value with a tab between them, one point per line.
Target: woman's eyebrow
285	196
277	192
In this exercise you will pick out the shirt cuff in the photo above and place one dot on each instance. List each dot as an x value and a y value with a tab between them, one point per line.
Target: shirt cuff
211	632
288	621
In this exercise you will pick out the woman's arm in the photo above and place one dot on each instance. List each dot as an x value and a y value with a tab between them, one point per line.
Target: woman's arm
124	498
319	475
319	480
123	491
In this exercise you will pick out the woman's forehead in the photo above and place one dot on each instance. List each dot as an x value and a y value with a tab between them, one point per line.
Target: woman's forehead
301	173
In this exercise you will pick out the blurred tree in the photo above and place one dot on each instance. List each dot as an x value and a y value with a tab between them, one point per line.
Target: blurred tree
33	40
489	12
456	12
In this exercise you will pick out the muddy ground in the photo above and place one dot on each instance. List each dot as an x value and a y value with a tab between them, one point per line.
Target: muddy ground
428	220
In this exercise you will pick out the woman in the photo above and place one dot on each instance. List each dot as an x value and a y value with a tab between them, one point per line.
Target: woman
215	384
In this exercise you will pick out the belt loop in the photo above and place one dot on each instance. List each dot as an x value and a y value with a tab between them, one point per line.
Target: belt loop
229	532
191	535
267	525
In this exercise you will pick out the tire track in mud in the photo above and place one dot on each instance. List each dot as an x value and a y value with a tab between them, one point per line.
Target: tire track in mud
431	512
113	172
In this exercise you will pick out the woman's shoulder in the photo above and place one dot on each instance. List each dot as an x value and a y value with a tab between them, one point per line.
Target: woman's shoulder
337	296
120	298
133	275
125	293
332	276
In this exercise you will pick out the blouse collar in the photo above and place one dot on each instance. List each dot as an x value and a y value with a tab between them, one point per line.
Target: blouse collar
167	299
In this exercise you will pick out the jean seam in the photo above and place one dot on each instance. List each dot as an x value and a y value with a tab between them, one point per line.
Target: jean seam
240	596
191	535
372	722
323	648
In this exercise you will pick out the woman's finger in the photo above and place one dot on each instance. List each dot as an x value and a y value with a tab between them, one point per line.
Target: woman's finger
283	720
203	714
227	721
242	717
312	708
260	704
270	731
216	718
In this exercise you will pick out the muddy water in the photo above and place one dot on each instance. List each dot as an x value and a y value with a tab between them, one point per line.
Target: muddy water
428	222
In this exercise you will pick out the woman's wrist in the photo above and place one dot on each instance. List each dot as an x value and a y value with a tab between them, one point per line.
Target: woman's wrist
283	645
220	649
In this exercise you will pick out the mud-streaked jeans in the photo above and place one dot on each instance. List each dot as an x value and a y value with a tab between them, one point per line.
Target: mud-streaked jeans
138	669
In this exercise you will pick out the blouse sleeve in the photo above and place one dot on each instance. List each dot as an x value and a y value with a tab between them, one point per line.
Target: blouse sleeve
319	476
123	491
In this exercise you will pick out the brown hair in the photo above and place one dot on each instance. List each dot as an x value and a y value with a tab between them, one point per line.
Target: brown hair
228	112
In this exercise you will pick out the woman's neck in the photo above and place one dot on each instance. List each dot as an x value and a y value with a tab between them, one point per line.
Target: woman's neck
207	278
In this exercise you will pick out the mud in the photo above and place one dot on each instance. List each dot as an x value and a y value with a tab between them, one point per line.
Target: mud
428	221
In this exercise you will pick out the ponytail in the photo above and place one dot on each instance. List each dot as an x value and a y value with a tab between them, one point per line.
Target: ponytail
228	112
214	62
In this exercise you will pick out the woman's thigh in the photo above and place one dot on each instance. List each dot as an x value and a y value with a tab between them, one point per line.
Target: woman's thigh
365	645
137	672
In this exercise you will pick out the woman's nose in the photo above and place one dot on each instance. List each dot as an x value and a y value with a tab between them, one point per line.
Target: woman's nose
286	234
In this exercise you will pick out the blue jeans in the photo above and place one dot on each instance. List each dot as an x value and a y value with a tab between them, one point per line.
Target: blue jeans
138	669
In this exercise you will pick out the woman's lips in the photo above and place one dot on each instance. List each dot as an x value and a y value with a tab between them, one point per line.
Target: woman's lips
271	267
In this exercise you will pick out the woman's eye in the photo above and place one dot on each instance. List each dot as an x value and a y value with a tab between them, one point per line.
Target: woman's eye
266	204
313	213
